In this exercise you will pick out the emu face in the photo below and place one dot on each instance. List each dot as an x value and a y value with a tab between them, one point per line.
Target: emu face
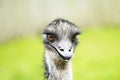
60	37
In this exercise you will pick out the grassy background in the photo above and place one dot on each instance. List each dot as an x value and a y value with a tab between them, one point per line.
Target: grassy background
97	56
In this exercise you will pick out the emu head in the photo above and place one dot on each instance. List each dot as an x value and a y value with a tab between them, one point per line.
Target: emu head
60	37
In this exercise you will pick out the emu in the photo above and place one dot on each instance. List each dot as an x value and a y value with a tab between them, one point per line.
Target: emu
60	40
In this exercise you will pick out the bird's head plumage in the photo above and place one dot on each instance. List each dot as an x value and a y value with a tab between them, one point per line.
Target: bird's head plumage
60	36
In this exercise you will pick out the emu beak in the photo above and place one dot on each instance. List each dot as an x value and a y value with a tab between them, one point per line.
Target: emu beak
65	58
65	49
66	53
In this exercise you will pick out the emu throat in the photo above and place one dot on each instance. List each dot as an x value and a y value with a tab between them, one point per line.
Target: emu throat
60	64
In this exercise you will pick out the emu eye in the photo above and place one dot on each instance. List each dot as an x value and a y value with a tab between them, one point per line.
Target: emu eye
51	37
73	38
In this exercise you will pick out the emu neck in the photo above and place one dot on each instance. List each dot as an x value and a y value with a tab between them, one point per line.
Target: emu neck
57	69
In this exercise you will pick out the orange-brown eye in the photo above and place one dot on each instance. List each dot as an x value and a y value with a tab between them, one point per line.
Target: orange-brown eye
50	37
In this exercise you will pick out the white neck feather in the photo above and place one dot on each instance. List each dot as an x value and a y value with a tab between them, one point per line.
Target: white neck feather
58	69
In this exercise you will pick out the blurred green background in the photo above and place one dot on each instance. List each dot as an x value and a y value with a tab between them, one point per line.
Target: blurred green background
97	56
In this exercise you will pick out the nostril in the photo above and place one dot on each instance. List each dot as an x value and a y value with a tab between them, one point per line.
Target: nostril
69	50
62	49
